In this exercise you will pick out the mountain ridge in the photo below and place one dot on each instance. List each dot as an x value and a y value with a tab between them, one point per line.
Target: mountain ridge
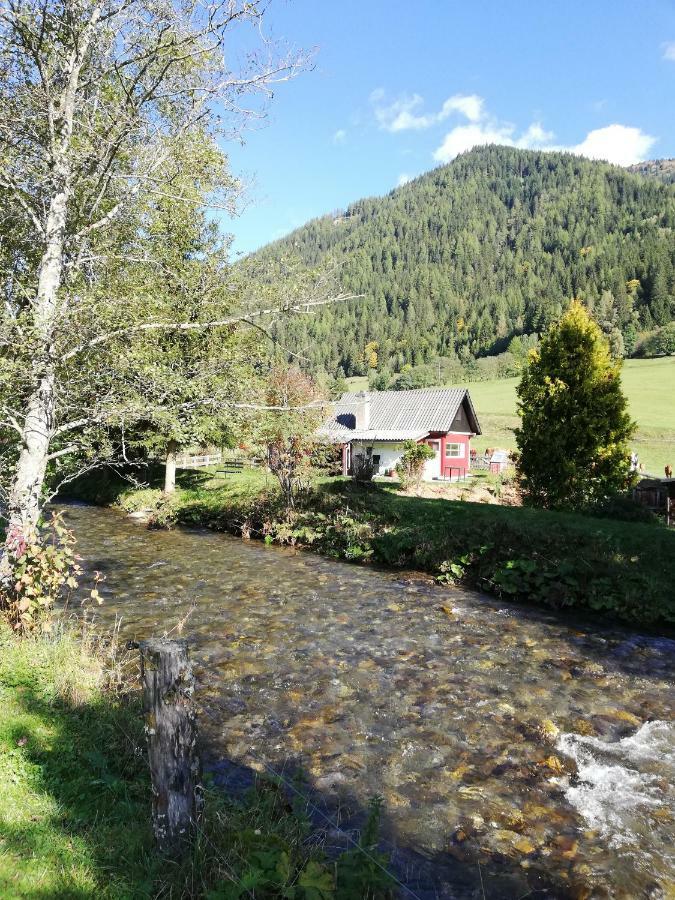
489	247
663	169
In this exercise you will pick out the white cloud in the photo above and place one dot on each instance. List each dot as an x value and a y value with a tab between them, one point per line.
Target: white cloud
403	178
399	115
402	114
534	137
470	105
464	137
669	51
616	143
340	136
620	144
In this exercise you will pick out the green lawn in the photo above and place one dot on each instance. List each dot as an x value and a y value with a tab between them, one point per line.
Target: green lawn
649	385
74	798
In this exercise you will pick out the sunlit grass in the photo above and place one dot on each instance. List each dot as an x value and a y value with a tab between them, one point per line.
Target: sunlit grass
75	796
74	799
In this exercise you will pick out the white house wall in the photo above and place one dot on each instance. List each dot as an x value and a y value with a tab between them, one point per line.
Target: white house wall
389	453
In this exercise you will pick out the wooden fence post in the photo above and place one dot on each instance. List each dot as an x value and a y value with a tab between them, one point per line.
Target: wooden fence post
171	728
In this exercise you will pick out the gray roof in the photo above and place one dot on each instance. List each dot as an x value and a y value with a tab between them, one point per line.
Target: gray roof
400	414
372	434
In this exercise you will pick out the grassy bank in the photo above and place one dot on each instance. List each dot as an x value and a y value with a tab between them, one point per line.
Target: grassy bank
74	797
647	383
617	569
75	800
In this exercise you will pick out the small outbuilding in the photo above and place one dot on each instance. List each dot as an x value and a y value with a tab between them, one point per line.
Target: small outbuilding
372	425
499	461
658	495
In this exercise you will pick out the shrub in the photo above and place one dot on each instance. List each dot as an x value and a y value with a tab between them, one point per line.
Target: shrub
411	378
411	465
162	509
39	572
625	509
380	381
289	427
363	467
575	427
660	343
326	459
140	500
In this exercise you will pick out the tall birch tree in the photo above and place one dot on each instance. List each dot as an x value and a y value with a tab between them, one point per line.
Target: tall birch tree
95	98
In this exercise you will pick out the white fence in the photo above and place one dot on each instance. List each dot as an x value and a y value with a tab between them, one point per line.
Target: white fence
187	461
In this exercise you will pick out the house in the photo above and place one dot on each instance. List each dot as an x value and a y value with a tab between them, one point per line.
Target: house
374	425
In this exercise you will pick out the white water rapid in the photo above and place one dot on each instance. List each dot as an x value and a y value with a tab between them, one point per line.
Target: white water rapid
620	786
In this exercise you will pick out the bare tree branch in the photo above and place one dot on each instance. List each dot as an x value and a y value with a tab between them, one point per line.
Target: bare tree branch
243	319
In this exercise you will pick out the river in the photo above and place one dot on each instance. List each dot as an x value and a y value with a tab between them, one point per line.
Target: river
518	753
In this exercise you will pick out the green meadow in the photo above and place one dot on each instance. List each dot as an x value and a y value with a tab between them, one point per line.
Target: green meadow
649	385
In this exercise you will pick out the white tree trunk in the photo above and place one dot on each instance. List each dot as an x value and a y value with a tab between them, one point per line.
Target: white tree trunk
26	492
170	468
25	500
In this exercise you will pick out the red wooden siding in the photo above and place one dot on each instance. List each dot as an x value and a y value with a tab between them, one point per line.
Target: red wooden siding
456	462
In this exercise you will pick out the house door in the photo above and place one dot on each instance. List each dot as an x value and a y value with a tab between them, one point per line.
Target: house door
432	467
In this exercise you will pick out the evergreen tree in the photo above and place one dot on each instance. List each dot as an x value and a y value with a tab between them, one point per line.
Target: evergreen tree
573	438
661	302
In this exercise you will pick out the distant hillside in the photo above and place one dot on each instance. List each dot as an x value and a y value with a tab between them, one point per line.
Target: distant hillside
491	246
663	169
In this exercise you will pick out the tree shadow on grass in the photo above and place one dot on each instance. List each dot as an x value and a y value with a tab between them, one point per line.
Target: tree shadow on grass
91	835
104	486
194	479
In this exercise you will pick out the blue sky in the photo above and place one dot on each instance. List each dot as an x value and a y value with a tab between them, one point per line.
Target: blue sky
400	87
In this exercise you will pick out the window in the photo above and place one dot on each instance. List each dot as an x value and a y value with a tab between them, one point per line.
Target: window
454	451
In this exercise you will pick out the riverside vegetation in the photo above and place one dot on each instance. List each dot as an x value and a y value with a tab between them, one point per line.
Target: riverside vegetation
555	559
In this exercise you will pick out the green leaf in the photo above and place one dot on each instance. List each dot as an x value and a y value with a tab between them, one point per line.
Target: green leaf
317	882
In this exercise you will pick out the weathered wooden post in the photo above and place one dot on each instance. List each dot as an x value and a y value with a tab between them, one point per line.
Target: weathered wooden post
171	728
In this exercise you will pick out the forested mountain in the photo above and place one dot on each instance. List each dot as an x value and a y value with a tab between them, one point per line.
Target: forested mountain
491	246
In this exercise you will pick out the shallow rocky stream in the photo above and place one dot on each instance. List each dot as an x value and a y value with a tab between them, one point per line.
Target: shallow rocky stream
519	754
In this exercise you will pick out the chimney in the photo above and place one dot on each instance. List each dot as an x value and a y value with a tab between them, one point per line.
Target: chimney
362	411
